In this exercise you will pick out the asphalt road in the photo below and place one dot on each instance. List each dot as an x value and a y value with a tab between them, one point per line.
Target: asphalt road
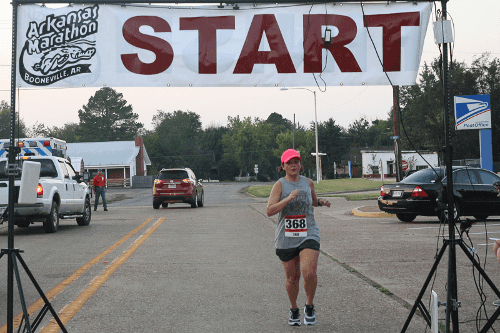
213	269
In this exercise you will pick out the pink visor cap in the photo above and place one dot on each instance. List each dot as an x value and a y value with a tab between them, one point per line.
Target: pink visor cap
289	154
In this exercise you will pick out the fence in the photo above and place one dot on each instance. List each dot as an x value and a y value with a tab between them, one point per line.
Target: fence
242	179
118	182
143	181
471	162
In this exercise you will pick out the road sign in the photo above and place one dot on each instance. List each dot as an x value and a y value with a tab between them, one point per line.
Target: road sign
395	137
405	165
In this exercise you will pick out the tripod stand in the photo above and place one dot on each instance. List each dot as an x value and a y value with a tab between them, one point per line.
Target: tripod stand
454	304
14	256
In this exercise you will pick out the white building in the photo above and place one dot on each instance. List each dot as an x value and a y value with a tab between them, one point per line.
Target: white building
119	160
378	162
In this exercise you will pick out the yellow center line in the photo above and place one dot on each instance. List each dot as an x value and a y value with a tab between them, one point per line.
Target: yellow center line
70	310
37	305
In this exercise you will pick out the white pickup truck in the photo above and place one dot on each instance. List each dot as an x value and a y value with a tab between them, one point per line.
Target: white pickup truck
60	194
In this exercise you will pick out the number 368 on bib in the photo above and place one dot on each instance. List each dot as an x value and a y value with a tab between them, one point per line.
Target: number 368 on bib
295	226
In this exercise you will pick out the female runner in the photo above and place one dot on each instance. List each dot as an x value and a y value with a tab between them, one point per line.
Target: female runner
297	233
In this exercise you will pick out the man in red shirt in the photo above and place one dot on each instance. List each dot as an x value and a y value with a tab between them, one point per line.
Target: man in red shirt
99	185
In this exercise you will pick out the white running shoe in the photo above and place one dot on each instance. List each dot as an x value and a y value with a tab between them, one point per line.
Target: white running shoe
294	319
309	315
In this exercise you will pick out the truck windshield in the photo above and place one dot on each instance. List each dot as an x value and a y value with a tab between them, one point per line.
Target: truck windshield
47	168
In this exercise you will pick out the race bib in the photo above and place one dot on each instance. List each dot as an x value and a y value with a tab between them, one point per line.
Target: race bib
295	226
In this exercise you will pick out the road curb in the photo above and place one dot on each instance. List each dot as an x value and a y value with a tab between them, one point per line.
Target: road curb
370	211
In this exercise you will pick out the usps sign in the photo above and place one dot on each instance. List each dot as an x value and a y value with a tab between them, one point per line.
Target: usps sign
472	112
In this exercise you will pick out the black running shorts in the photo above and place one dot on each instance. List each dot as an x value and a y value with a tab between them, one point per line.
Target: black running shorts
289	254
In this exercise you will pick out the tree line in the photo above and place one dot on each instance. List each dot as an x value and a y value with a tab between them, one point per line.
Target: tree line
178	138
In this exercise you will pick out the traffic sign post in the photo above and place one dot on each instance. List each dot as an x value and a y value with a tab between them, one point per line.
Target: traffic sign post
404	164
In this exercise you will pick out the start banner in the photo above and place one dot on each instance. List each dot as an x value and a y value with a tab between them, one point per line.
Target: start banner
206	46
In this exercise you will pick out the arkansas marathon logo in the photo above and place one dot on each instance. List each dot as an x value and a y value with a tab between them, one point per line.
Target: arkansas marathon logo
59	47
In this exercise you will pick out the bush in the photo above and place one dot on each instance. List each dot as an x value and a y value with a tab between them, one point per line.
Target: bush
263	178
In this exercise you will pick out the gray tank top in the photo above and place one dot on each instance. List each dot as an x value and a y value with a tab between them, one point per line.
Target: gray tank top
296	222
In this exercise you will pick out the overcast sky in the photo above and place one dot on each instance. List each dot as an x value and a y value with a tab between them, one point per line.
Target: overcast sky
475	33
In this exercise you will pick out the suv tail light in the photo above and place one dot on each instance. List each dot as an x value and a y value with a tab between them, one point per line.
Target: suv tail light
39	191
418	192
187	181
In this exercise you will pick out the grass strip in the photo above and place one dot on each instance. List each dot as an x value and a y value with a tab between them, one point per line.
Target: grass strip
325	186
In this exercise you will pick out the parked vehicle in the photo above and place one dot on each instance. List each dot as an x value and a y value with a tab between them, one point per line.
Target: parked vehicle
60	193
424	193
36	147
177	186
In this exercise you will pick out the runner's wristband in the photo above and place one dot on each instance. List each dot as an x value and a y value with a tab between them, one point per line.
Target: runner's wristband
319	203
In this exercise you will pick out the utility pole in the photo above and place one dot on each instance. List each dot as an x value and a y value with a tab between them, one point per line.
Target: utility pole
397	140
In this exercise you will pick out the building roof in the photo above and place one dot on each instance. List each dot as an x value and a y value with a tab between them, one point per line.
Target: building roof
111	153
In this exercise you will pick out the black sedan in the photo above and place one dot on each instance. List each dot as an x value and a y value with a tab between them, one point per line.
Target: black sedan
423	193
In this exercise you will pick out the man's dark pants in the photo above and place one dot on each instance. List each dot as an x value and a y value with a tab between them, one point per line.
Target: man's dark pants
100	191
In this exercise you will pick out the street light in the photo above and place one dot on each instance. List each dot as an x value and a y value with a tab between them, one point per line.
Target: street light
315	129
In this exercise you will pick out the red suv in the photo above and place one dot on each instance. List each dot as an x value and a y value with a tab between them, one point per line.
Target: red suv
177	185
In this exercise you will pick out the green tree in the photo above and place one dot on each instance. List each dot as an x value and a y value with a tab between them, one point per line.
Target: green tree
107	117
305	143
489	83
423	106
278	125
5	115
358	132
69	132
174	141
248	142
212	150
38	130
380	132
227	167
332	140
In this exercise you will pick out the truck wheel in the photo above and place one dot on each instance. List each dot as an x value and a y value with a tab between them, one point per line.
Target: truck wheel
51	223
156	205
85	219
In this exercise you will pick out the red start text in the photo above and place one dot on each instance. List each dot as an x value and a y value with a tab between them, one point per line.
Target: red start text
278	55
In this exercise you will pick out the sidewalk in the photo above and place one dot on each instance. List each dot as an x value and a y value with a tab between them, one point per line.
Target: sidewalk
370	211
